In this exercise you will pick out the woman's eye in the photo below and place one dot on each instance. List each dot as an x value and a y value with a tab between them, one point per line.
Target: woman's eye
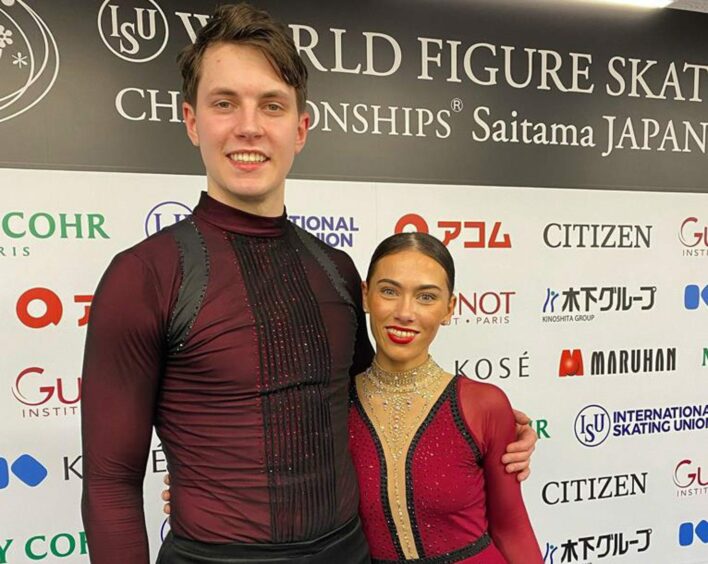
427	298
388	291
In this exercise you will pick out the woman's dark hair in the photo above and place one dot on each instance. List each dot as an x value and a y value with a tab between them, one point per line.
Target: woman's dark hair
421	242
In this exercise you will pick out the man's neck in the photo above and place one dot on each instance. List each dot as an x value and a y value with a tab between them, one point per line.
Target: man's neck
272	207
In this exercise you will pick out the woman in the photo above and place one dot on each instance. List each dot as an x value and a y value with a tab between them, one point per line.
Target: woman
426	445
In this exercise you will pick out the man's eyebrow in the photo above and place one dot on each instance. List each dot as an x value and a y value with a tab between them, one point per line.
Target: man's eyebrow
225	91
222	91
275	94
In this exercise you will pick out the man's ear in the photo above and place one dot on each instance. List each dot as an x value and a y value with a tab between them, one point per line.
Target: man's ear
303	126
190	122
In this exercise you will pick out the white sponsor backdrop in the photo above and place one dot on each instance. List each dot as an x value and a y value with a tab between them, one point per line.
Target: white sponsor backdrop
44	523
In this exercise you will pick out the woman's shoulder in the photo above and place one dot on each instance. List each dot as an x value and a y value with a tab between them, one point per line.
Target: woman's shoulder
481	395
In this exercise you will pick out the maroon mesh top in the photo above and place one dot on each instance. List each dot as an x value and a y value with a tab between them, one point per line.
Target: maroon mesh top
462	505
251	412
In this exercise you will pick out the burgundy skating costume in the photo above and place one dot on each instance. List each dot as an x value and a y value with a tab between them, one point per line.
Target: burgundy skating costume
251	410
457	491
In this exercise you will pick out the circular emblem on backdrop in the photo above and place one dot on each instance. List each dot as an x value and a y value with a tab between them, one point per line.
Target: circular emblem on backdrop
29	58
163	215
592	425
164	529
134	30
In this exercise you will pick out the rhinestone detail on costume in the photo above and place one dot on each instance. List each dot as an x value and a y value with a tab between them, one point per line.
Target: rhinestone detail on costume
397	424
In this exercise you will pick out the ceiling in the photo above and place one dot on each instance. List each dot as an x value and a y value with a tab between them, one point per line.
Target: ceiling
692	5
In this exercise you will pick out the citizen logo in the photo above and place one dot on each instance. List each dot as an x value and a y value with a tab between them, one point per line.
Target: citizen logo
136	31
591	489
596	236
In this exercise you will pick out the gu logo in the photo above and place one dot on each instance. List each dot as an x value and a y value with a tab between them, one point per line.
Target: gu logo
134	30
592	425
571	363
163	215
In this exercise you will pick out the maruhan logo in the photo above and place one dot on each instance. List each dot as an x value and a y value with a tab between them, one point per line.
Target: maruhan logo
29	59
134	30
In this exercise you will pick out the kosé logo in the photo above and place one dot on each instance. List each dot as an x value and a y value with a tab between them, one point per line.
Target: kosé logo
136	31
592	425
163	215
29	59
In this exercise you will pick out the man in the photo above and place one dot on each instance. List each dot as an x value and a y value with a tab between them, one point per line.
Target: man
235	334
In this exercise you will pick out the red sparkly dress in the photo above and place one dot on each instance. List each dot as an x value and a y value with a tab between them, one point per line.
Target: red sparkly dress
460	504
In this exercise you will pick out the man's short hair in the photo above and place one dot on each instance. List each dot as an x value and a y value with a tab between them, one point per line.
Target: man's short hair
245	25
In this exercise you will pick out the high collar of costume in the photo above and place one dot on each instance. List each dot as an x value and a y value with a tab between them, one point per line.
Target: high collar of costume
238	221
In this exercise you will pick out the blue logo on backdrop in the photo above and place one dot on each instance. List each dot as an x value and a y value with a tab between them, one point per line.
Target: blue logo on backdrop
336	231
26	468
163	215
164	529
693	295
549	306
592	425
549	554
688	532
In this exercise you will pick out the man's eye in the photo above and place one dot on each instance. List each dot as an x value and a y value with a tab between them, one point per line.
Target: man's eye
273	107
223	104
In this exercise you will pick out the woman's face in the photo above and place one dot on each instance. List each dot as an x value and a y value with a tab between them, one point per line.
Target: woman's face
407	299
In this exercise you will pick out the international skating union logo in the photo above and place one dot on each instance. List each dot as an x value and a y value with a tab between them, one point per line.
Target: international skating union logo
29	59
134	30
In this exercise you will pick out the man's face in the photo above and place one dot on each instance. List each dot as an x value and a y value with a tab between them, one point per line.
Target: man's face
247	127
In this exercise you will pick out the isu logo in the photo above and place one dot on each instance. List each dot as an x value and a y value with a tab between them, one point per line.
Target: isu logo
29	59
136	31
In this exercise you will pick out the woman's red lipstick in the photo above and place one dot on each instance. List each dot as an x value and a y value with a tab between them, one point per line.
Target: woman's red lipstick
400	339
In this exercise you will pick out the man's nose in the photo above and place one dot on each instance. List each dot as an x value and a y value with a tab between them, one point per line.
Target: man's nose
248	123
